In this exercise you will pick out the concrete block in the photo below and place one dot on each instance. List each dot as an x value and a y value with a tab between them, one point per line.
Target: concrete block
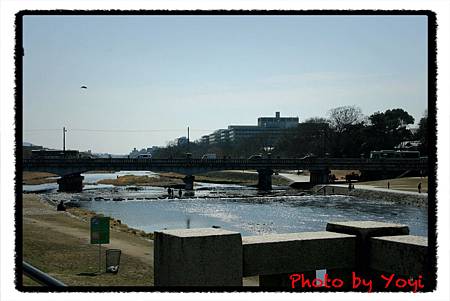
402	255
297	252
365	229
198	257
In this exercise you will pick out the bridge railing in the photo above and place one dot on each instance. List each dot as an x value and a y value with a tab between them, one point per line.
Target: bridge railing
273	163
40	277
217	257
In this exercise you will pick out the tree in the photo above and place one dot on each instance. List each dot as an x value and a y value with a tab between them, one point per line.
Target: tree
388	129
347	123
343	117
391	119
317	120
422	134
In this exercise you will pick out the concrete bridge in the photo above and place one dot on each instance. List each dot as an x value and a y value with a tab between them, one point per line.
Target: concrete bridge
71	180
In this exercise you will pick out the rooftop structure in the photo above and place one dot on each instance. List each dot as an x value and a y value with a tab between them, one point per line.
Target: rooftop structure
277	122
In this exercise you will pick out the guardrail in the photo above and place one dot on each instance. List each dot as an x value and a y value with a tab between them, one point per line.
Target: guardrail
39	276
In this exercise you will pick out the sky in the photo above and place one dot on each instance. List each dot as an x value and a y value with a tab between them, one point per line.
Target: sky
150	77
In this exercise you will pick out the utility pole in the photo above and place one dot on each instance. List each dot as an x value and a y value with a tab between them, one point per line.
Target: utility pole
324	143
64	139
189	146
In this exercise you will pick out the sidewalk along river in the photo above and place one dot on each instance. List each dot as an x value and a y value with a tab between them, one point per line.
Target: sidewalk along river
234	207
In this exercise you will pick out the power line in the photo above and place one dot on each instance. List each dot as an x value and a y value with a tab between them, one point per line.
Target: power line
119	131
41	130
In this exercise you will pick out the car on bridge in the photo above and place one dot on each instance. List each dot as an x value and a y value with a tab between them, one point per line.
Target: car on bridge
55	154
209	156
397	154
309	156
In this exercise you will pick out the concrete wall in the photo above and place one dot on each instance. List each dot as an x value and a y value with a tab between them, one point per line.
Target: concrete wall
297	252
213	257
403	255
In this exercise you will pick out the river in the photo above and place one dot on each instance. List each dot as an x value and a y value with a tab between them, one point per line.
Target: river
232	207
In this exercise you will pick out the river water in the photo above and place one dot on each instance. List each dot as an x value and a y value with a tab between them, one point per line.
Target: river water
231	207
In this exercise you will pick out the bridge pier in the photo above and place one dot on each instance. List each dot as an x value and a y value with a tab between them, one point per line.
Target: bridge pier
189	182
265	179
70	183
319	176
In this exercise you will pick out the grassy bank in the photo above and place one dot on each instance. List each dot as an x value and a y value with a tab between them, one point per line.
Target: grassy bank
58	244
35	178
404	184
142	181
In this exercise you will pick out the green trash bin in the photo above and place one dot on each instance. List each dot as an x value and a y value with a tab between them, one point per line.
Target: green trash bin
113	260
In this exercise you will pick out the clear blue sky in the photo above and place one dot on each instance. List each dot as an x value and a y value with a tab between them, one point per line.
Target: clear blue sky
160	74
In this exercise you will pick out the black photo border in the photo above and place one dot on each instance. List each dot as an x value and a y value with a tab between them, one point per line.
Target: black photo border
432	134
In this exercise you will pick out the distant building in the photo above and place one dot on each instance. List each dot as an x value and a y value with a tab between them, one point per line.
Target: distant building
218	136
278	122
144	151
205	139
237	132
272	128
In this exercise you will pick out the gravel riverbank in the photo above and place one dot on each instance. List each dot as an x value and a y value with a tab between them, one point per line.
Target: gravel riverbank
367	192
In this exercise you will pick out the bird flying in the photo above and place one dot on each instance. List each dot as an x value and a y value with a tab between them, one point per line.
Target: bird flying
83	87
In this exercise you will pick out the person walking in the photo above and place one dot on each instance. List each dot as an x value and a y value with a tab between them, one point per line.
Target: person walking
180	193
419	187
389	185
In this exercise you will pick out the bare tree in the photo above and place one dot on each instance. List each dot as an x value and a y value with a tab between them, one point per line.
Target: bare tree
342	117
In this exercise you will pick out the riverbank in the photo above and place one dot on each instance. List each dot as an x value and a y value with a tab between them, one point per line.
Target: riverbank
36	178
58	244
170	179
365	191
167	179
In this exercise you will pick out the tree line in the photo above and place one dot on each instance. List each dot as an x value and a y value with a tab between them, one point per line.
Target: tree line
345	132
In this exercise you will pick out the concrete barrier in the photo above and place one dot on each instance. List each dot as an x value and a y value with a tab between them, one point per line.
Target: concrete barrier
294	252
403	255
198	257
216	257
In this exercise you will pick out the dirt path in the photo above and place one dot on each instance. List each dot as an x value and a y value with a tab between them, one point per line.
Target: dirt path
131	248
58	243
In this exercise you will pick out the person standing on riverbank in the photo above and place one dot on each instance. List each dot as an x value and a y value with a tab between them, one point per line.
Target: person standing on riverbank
180	193
419	187
61	207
